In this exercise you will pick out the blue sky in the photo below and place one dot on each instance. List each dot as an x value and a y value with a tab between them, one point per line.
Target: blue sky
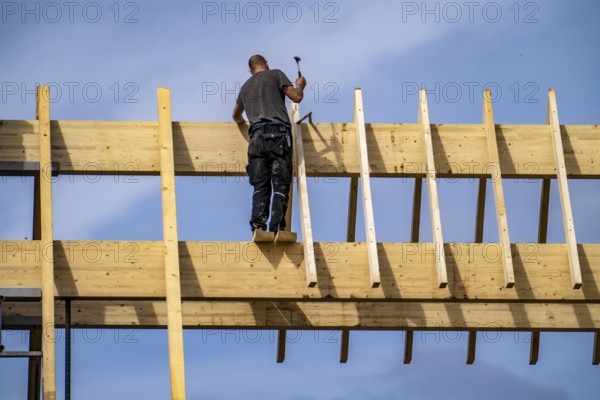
104	61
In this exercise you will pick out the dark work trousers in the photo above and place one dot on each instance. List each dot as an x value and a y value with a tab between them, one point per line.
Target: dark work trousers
270	171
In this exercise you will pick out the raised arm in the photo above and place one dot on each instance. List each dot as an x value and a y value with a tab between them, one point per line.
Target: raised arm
296	94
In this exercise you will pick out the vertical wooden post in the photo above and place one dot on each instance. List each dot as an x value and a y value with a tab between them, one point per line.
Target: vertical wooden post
434	205
544	206
480	216
307	236
33	380
359	121
46	244
596	354
415	224
345	346
350	237
352	204
563	190
471	346
281	341
170	245
408	346
35	335
494	158
534	349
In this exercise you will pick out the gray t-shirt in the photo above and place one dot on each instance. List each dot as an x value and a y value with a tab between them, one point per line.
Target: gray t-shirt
262	97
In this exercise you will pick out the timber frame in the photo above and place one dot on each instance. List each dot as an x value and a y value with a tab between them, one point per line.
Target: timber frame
306	285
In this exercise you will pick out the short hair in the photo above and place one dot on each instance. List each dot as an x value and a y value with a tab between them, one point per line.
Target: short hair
256	61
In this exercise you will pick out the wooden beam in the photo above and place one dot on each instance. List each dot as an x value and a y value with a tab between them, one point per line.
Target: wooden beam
110	269
534	348
494	163
471	346
596	354
563	190
352	206
350	237
46	248
170	246
544	206
434	206
480	216
345	345
35	335
416	211
281	341
394	150
408	346
305	220
363	156
303	314
34	366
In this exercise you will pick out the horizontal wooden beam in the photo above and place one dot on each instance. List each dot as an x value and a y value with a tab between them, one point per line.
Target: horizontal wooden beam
245	270
366	315
128	147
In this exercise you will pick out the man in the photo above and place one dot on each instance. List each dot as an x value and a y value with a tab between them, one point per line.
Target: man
269	168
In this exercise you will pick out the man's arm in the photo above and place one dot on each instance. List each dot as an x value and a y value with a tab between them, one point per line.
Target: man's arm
237	114
296	94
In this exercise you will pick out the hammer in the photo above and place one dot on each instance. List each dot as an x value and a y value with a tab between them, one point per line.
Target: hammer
298	62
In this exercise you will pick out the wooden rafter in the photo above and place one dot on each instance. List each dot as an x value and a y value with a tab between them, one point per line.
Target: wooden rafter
563	190
46	231
365	176
170	245
494	158
305	220
434	205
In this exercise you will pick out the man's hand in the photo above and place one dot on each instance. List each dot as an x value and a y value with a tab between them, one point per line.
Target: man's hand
300	83
296	94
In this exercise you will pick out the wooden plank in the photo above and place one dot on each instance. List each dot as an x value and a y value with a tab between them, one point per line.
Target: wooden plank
365	315
471	347
480	216
344	346
563	190
416	211
281	341
434	206
534	347
408	346
47	253
305	220
109	269
544	207
171	246
596	354
352	207
395	150
359	120
503	237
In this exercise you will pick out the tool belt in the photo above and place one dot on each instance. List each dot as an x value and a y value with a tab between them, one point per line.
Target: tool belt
271	131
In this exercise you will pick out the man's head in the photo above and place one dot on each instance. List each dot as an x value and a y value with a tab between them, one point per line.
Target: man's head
257	63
